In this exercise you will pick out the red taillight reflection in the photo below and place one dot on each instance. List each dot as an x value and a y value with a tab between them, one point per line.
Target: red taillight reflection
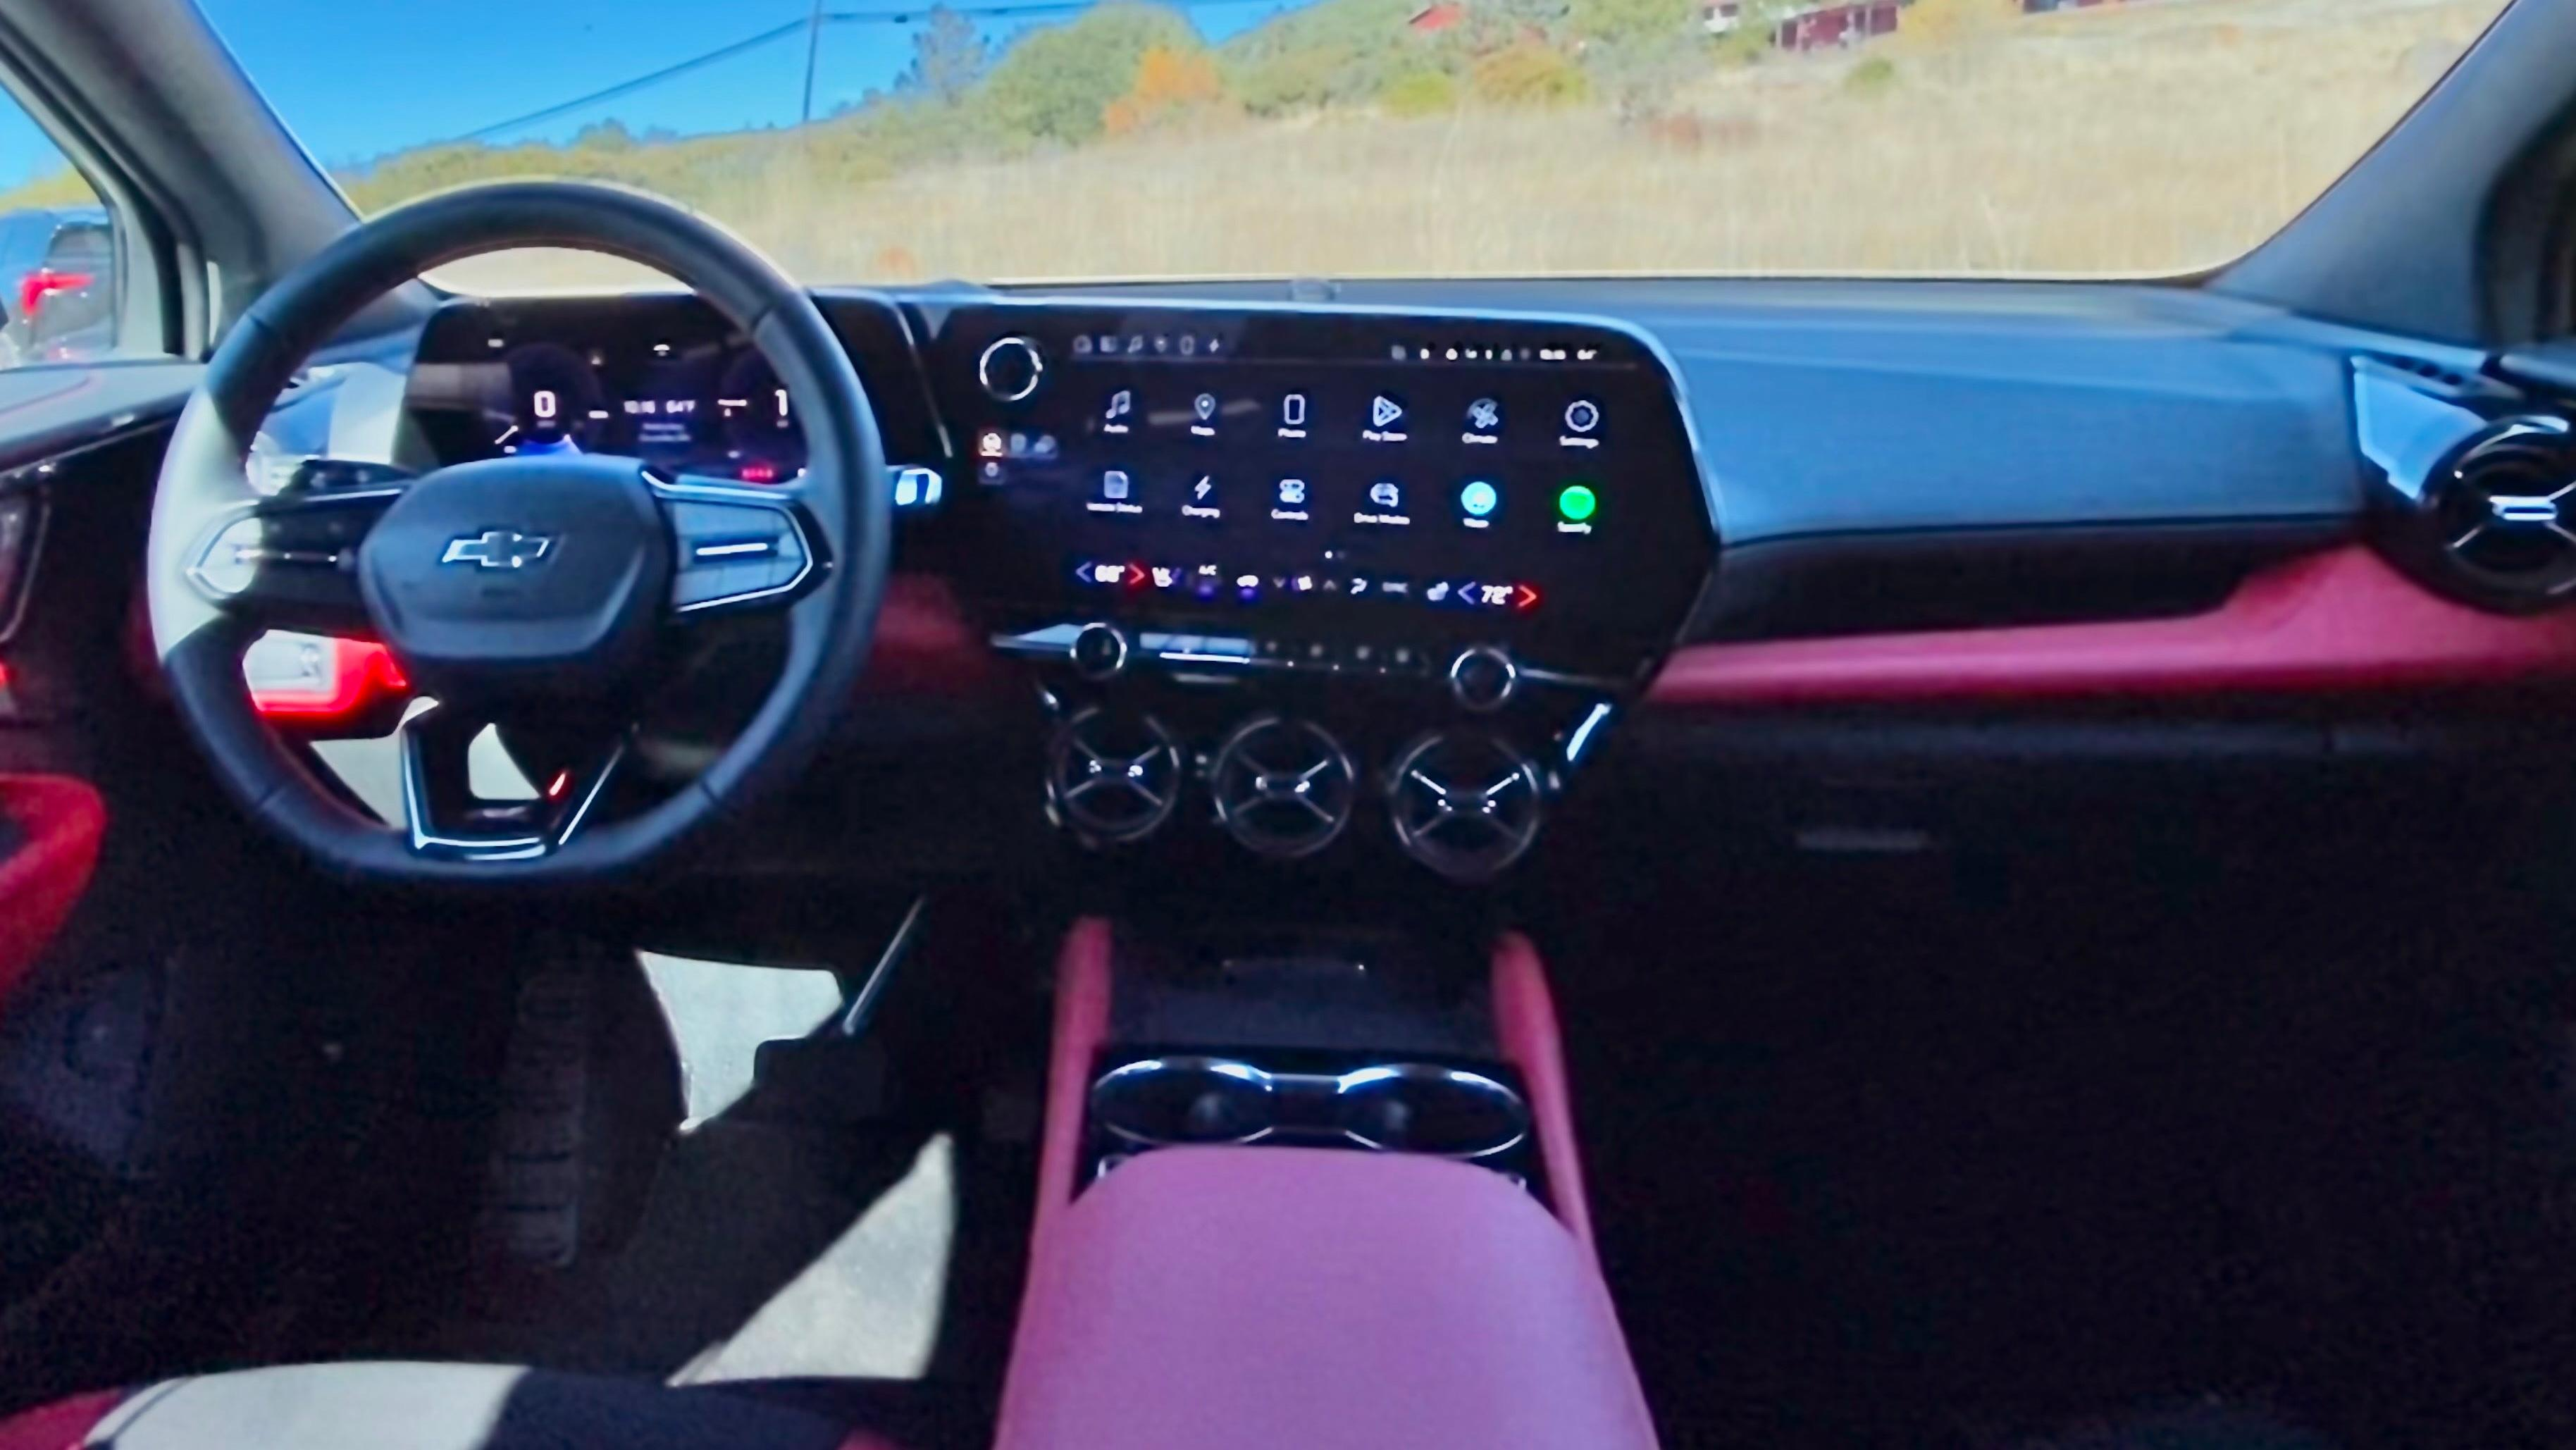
44	282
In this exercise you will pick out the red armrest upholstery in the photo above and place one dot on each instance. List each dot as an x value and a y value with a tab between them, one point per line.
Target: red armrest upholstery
1313	1299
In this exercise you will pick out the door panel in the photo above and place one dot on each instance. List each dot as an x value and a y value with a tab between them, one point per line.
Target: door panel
50	828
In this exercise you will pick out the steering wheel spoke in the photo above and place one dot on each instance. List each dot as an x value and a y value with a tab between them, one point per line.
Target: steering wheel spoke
736	547
536	590
289	561
446	817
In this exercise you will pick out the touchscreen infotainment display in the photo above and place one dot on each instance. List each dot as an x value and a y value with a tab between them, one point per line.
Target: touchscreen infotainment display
1383	473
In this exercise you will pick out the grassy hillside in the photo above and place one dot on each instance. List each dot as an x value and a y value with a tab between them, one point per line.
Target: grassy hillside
1548	136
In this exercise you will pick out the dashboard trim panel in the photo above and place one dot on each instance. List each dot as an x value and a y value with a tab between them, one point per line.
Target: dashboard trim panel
2340	620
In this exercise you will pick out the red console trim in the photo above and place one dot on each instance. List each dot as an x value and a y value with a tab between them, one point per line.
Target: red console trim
62	1425
64	820
1525	1026
1081	1025
2344	619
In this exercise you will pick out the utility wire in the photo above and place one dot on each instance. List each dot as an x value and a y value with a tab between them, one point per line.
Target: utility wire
996	9
629	87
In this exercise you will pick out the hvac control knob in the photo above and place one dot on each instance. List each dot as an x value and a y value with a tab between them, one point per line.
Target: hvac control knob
1482	678
1010	369
1100	652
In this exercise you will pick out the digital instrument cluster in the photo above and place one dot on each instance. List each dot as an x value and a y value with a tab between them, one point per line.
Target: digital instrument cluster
661	379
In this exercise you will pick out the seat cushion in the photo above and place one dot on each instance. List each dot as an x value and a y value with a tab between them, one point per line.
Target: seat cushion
401	1406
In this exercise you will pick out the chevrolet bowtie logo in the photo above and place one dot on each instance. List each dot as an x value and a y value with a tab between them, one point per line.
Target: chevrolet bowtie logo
497	549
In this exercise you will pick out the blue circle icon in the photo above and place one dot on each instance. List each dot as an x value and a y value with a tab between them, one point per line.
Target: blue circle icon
1478	499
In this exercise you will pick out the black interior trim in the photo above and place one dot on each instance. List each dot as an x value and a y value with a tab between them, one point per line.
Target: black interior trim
1883	583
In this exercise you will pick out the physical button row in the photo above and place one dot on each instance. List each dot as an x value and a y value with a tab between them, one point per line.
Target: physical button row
1480	676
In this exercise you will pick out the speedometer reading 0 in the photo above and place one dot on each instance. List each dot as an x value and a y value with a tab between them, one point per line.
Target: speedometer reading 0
556	402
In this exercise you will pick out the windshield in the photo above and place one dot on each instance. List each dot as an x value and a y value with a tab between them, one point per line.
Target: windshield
1029	139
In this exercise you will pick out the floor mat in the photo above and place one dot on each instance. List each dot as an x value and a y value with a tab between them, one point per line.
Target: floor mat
1924	1174
849	1216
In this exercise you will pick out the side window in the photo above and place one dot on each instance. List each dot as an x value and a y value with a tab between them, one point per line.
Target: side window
58	253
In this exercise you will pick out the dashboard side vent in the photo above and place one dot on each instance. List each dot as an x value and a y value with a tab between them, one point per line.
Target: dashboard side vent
2499	515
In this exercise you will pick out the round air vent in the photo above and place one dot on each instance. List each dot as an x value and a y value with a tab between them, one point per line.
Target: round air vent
1467	805
1284	788
2503	513
1112	778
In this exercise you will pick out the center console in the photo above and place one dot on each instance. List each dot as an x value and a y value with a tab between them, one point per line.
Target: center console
1312	1190
1317	568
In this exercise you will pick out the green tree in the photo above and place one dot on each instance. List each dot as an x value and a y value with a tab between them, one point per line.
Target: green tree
1420	93
1635	22
1640	77
1054	84
1755	24
1639	52
1529	73
608	135
1494	25
948	56
1333	52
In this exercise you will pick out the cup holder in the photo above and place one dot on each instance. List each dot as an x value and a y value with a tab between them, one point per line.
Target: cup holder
1406	1107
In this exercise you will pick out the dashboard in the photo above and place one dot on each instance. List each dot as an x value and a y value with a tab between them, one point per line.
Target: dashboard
1381	574
1305	565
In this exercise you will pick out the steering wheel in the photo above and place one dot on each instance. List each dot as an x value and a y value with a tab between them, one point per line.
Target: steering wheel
546	589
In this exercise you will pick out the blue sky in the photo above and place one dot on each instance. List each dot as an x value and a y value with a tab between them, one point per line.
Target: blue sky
358	78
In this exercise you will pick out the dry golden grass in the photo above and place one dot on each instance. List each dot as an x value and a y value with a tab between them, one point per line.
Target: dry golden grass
2141	139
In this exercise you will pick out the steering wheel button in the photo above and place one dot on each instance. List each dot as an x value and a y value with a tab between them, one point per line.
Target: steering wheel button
232	557
719	551
698	586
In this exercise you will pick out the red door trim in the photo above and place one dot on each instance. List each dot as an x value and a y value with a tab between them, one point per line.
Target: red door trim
43	879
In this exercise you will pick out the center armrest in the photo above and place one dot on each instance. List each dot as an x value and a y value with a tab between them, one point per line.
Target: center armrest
1315	1299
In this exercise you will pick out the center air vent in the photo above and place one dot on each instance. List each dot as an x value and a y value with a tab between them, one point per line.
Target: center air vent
1466	805
1112	779
2503	513
1283	788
